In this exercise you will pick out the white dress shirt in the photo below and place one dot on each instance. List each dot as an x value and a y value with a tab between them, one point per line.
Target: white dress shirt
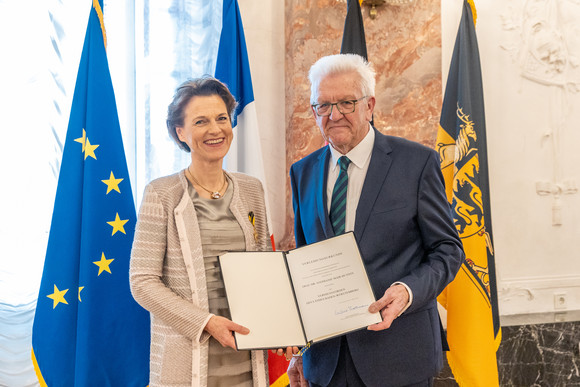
360	157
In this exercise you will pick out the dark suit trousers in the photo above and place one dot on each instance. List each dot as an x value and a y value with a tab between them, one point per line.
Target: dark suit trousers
345	374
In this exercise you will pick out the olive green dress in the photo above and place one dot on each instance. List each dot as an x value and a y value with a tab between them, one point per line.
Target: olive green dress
220	232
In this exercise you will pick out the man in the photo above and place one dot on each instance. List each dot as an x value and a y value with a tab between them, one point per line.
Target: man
397	207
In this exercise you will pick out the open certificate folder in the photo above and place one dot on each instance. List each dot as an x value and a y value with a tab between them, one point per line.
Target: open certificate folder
308	294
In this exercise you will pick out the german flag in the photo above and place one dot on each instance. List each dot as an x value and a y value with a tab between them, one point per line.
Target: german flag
473	329
353	35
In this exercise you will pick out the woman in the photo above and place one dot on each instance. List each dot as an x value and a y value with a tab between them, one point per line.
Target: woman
186	220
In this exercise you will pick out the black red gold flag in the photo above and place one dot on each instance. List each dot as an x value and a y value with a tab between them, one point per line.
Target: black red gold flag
353	36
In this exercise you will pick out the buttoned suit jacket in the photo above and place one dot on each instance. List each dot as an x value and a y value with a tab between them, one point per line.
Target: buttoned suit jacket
405	231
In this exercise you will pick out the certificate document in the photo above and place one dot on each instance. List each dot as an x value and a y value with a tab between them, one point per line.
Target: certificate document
304	295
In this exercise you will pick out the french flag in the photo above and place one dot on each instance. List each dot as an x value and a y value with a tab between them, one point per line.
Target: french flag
233	69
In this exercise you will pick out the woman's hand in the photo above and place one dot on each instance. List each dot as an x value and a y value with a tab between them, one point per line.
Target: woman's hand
288	352
222	329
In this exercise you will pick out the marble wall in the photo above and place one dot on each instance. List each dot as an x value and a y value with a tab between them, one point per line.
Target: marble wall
540	355
544	354
404	45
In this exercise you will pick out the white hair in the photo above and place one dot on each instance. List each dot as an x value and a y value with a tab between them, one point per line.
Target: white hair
342	63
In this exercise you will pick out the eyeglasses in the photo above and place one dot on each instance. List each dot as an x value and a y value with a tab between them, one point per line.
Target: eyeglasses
344	107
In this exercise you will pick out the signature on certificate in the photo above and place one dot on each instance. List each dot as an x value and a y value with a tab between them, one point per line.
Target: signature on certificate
349	308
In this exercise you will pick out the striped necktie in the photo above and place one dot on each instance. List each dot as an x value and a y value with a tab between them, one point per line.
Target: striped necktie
338	202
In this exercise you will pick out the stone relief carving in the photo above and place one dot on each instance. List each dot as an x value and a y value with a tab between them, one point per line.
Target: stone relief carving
548	46
543	38
509	292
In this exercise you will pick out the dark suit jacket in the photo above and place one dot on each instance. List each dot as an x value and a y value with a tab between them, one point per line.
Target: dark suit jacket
406	233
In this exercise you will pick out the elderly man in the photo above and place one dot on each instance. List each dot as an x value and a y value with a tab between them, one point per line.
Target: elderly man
390	192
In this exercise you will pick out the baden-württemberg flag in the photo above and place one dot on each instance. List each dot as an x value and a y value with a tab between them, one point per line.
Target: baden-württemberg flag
473	329
88	330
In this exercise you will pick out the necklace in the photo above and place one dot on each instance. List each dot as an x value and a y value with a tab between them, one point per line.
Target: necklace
213	194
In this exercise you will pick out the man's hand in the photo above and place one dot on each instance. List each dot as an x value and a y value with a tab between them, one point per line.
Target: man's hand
296	373
222	329
390	305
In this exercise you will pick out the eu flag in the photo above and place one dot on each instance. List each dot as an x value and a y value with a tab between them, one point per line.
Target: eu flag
473	329
88	330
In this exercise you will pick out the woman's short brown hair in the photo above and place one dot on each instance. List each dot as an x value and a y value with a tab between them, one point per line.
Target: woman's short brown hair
204	86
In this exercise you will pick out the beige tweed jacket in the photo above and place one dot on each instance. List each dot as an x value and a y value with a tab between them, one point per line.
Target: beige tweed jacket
167	276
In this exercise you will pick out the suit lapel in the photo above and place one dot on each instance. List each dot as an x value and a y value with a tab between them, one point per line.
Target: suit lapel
321	171
373	185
